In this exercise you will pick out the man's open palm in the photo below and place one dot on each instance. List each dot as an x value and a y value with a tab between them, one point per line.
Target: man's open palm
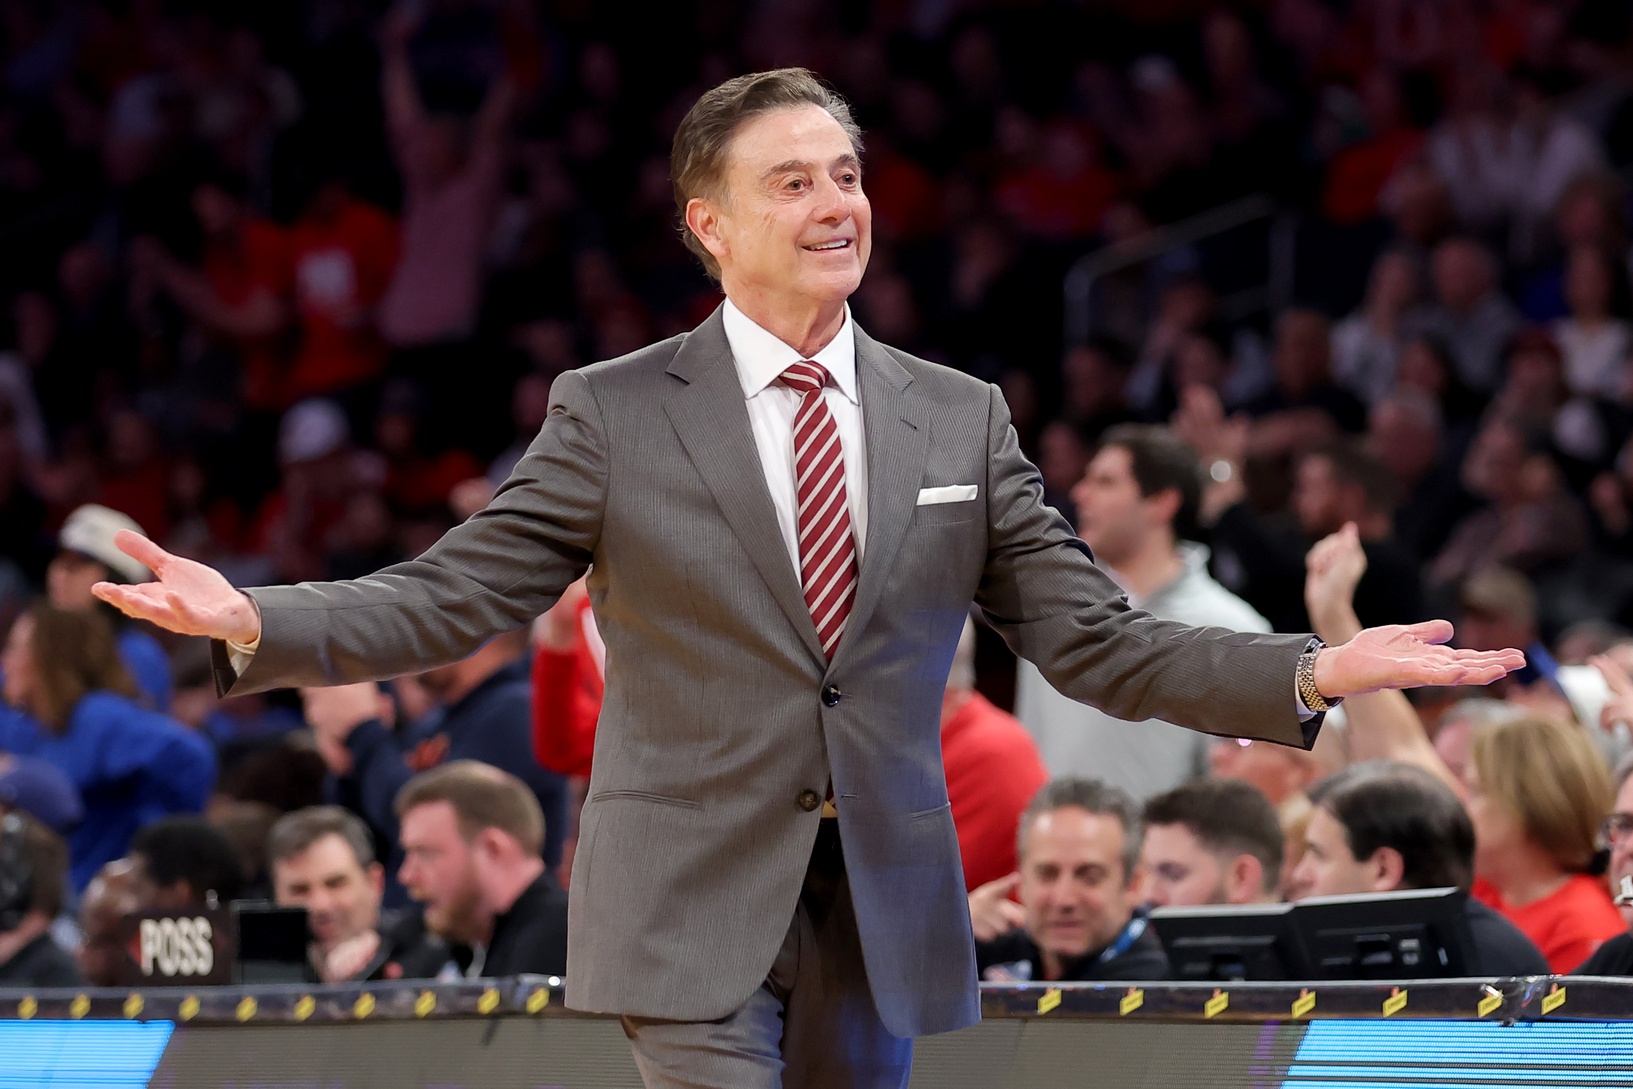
189	597
1407	656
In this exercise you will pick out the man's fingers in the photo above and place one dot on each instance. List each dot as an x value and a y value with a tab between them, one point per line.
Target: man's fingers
143	549
1012	913
1431	631
130	600
1615	676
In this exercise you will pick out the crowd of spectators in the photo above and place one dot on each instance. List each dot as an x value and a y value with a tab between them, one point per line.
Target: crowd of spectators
286	285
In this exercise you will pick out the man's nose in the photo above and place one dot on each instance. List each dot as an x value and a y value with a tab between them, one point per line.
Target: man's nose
830	203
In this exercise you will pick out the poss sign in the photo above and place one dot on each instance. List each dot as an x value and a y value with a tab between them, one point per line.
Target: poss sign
189	948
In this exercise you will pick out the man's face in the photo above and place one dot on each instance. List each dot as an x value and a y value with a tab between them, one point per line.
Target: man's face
18	663
341	897
439	871
1316	498
1179	871
1073	888
1328	867
69	578
791	222
1112	516
1621	849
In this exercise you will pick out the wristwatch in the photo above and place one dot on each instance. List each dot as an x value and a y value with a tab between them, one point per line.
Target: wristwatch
1305	679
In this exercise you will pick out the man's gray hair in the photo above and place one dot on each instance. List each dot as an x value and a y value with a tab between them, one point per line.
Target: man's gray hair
1092	796
297	831
698	158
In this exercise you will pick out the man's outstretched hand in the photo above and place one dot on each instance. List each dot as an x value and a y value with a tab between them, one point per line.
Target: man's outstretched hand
1407	656
188	597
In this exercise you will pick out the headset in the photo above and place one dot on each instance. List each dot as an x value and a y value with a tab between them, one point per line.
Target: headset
16	874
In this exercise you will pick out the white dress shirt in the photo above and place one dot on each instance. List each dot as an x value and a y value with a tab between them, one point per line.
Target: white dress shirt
761	358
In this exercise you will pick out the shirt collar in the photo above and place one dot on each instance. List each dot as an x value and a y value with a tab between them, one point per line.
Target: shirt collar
761	357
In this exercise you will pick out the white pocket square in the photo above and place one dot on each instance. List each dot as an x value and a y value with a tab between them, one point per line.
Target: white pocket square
952	493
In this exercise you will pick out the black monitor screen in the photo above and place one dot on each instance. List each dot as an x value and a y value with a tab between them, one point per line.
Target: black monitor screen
272	943
1417	934
1229	942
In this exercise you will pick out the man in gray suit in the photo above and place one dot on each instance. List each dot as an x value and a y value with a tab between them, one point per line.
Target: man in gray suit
785	523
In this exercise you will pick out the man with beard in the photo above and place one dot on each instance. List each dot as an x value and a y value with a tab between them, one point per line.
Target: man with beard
471	836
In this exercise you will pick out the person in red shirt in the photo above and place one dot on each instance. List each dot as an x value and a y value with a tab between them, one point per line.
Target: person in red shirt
342	252
992	765
239	291
1538	790
993	771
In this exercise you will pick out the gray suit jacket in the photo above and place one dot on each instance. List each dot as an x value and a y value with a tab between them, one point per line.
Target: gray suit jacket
693	845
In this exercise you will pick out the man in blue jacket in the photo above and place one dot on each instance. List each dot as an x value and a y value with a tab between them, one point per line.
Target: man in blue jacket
483	714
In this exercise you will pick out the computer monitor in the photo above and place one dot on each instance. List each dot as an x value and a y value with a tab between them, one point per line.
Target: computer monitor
1413	934
1229	942
272	943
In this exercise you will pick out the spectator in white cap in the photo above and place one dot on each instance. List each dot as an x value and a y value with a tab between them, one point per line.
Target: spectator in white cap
321	472
85	556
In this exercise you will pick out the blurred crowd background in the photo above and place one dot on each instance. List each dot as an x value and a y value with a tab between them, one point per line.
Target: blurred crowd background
285	284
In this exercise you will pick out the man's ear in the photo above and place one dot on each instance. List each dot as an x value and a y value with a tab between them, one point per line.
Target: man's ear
1136	882
703	220
1244	880
375	875
491	844
1165	504
1385	869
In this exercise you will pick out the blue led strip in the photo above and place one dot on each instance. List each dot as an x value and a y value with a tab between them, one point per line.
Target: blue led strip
1372	1054
81	1054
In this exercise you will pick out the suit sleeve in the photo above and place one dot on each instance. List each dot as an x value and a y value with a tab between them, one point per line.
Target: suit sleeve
495	572
1043	593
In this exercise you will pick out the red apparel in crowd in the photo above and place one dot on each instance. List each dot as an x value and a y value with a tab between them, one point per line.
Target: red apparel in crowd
993	772
257	261
1567	925
567	702
342	262
1358	174
992	765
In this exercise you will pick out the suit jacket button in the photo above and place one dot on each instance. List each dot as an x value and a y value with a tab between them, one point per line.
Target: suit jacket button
831	695
808	800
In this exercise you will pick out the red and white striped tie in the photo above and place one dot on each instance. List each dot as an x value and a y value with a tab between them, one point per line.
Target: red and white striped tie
826	548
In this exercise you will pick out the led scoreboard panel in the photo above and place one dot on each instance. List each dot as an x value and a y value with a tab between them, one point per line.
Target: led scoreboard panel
514	1033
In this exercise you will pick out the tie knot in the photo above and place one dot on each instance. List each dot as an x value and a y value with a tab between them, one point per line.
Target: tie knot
805	376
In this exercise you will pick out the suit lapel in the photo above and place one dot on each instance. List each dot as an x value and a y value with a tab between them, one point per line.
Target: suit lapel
711	418
898	438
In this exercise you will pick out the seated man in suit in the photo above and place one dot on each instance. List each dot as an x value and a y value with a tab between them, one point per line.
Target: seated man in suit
471	836
1381	826
1211	841
1079	879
